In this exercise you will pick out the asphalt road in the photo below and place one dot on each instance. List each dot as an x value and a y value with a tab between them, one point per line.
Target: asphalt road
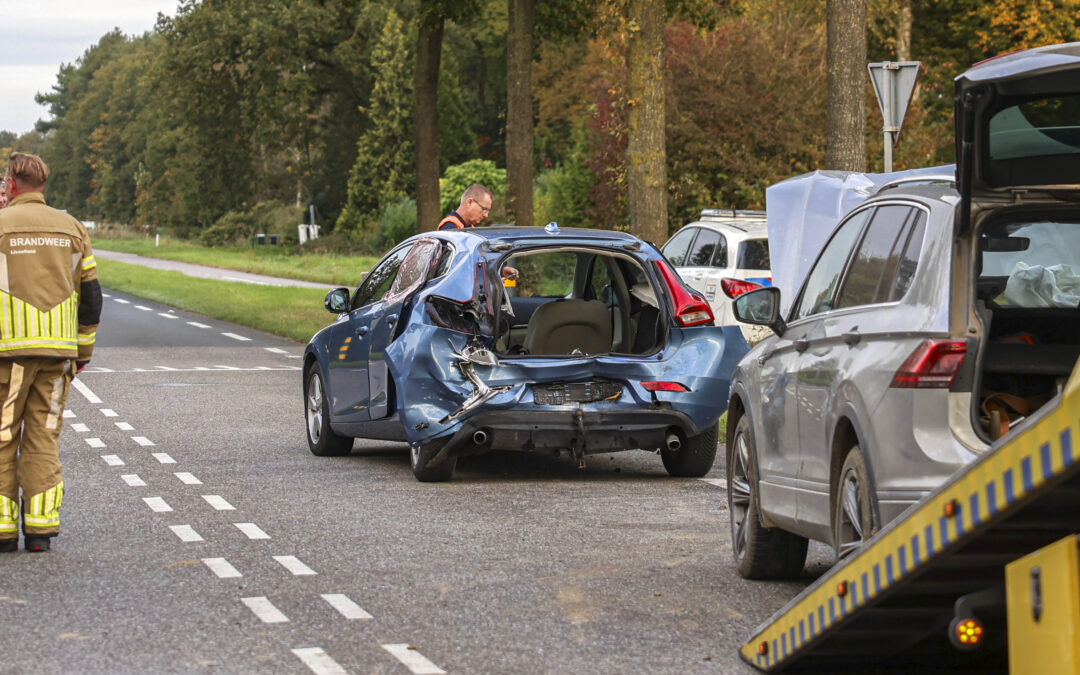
200	535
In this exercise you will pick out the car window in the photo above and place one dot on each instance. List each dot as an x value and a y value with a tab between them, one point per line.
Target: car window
414	268
446	254
753	255
675	250
870	276
379	280
909	261
701	253
599	281
549	274
817	293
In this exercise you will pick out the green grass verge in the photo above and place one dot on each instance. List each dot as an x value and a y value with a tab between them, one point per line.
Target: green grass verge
295	313
275	261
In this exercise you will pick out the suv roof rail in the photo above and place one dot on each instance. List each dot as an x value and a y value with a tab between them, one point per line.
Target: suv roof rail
926	178
730	213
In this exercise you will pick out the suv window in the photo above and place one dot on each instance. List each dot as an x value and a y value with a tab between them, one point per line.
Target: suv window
817	292
378	281
754	255
870	276
909	261
707	244
675	250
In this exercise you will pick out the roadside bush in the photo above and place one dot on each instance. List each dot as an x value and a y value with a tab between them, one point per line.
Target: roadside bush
232	228
238	227
562	195
333	243
397	221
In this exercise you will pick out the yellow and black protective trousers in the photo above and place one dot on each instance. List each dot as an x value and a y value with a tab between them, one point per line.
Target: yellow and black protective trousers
33	392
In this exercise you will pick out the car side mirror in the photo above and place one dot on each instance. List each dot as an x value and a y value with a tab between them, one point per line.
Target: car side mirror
337	300
760	307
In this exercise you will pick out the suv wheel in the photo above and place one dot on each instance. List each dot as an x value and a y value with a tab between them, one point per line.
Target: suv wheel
322	440
695	457
760	552
853	517
420	456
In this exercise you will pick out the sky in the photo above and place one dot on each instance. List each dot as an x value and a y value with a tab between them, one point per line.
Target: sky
40	36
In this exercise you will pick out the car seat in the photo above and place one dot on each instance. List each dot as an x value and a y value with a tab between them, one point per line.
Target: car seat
561	326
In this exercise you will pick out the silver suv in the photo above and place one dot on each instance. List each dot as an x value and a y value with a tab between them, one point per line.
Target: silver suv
938	316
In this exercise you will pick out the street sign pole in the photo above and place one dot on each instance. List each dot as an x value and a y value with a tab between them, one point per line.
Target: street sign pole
893	83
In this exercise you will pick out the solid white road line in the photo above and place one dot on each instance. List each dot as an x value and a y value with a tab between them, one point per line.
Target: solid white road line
234	336
347	608
85	391
252	530
187	478
113	460
263	609
718	482
133	480
163	457
95	442
197	324
222	568
225	367
166	368
186	533
124	426
218	503
108	412
168	316
319	661
157	504
143	441
293	564
413	660
68	414
80	428
145	309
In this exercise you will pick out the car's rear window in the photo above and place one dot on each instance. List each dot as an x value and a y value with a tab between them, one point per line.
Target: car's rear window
1035	142
754	255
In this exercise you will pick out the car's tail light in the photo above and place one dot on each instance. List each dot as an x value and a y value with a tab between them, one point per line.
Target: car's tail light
664	386
933	365
690	308
733	288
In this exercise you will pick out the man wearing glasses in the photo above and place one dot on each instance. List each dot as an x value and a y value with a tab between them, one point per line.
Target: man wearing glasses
474	207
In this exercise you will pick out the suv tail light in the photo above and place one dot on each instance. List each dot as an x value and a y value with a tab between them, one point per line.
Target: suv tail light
733	288
690	308
933	365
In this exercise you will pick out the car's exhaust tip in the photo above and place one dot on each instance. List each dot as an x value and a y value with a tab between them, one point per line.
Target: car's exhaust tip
673	442
480	437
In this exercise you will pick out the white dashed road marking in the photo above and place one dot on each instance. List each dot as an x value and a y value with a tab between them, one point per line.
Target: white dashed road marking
95	442
143	441
234	336
85	391
145	309
347	608
293	564
157	504
263	609
168	316
123	302
197	324
276	350
108	412
124	426
163	457
68	414
222	568
187	478
718	482
113	460
218	503
186	533
80	428
133	480
252	530
413	660
319	661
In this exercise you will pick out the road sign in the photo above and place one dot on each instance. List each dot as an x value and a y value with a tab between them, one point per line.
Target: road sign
893	83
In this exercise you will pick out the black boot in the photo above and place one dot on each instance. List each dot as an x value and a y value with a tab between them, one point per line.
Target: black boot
9	545
36	543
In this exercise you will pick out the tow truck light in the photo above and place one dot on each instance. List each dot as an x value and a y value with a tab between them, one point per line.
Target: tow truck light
690	308
664	386
967	633
933	365
733	288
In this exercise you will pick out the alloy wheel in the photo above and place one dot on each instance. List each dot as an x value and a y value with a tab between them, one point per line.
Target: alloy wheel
739	495
850	526
314	408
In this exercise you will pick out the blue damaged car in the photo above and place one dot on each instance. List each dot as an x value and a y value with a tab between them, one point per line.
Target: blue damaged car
596	346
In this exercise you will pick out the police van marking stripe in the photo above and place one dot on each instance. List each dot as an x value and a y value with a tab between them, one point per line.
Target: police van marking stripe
989	487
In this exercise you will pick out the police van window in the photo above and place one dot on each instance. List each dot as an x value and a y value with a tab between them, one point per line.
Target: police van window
675	250
719	258
379	280
871	273
820	286
754	255
705	245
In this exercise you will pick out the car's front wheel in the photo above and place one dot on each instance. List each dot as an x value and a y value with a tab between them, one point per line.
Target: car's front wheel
760	552
429	468
695	457
853	516
322	440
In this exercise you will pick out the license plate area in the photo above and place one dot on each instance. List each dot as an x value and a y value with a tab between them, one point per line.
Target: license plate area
560	393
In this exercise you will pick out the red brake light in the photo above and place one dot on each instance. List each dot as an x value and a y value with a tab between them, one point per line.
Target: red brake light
663	386
733	288
690	308
933	365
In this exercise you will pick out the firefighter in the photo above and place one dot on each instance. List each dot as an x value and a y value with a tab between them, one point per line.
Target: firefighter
50	305
471	211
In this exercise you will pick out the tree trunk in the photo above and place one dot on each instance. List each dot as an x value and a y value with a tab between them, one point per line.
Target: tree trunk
646	162
903	31
426	123
846	81
519	117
